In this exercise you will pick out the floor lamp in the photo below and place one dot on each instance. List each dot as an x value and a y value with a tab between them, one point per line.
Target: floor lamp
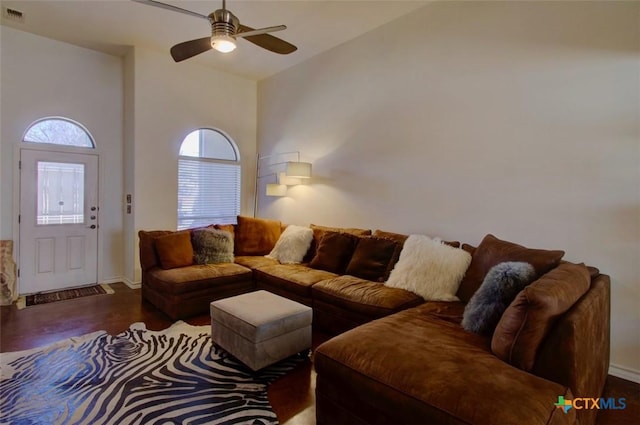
294	173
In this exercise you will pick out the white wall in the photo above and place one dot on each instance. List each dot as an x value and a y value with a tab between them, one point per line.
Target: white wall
146	100
461	119
171	100
41	77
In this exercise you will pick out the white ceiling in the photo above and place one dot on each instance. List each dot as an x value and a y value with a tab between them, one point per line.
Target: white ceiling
112	25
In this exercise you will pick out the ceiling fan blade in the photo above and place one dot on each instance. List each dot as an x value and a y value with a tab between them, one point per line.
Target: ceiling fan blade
267	41
189	49
260	31
171	7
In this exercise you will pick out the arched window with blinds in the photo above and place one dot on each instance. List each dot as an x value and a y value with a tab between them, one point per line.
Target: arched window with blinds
208	179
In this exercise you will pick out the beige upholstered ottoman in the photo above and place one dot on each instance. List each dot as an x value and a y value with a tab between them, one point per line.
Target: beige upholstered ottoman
260	328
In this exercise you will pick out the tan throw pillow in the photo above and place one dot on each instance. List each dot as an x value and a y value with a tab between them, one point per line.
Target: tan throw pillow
526	322
492	251
371	258
334	252
175	250
256	236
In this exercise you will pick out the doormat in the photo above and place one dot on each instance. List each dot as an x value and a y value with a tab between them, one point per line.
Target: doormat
66	294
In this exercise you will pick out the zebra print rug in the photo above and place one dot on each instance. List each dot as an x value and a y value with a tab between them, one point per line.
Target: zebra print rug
172	376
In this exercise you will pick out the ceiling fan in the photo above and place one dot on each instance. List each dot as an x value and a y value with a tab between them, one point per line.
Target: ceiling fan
225	29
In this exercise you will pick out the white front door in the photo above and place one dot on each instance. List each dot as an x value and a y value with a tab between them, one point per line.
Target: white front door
58	220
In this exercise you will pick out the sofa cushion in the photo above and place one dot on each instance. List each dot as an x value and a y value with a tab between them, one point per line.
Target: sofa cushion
197	277
499	288
492	251
429	268
256	236
334	252
371	258
294	278
417	367
528	319
254	262
363	296
292	245
174	249
211	246
148	254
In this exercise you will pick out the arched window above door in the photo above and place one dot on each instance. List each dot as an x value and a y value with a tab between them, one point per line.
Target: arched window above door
59	131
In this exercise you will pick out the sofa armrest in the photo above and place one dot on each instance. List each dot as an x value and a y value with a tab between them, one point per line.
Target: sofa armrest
576	351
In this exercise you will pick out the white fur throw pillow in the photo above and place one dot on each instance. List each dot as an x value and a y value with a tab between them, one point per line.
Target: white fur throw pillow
292	245
429	268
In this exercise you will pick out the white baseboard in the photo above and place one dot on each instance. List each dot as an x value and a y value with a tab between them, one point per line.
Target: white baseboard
112	280
131	284
624	373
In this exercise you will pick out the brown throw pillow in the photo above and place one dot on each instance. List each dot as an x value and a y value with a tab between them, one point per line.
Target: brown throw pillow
334	252
319	231
175	250
492	251
400	240
256	236
371	258
148	254
526	322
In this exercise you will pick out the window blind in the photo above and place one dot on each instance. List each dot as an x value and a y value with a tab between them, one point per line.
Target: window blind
208	192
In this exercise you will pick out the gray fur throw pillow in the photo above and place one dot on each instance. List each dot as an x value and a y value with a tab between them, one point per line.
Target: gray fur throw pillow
500	286
212	246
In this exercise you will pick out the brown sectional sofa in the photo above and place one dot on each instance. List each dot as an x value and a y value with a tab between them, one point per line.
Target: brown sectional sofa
397	359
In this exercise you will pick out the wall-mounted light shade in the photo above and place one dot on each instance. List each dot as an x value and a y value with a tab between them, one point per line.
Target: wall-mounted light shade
300	170
288	181
276	189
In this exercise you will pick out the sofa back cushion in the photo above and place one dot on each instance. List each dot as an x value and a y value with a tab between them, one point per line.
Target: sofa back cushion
174	249
492	251
227	228
526	322
148	255
256	236
334	252
371	258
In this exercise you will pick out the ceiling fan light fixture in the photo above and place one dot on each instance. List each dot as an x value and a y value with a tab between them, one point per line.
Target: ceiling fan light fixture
223	43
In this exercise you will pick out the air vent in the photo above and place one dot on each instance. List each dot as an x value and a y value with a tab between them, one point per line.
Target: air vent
13	14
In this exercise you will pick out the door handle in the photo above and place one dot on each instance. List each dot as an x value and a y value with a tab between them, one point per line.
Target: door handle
93	226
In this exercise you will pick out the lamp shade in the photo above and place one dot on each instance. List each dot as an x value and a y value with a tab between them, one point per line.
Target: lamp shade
300	170
288	181
276	189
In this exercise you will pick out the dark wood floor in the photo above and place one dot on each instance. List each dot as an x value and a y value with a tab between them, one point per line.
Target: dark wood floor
292	396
